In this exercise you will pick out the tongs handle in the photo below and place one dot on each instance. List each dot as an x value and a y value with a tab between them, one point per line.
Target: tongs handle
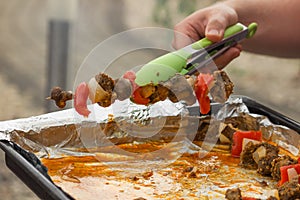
204	51
231	30
164	67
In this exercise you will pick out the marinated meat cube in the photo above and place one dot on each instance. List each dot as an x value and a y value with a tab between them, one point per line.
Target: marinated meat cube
246	156
233	194
243	122
289	190
259	156
147	90
279	162
160	94
60	96
264	164
180	90
108	84
222	87
207	127
172	97
227	131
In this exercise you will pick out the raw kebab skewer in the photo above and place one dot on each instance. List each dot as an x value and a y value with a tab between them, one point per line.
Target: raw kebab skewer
104	90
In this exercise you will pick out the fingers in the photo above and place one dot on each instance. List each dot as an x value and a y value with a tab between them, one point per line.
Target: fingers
183	37
232	53
187	32
215	30
218	22
209	22
222	61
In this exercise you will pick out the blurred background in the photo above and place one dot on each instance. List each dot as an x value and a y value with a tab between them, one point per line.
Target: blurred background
43	42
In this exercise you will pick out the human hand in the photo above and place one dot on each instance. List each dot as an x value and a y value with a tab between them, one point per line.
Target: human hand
209	22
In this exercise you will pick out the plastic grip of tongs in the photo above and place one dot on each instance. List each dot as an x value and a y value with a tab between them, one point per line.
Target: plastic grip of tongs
231	30
164	67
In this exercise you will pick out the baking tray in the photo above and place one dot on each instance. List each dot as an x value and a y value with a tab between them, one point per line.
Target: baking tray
31	171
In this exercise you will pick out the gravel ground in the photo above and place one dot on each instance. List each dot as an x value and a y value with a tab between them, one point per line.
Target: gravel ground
23	42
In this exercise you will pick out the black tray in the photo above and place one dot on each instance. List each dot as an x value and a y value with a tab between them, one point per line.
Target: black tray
30	170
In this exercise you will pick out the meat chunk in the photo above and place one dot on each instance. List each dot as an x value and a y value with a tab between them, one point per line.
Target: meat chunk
246	156
233	194
180	89
108	84
222	87
289	190
161	93
147	90
259	156
227	131
279	162
243	122
60	96
264	163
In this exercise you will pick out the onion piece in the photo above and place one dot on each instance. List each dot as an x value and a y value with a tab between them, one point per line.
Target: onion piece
292	173
260	153
123	89
224	139
246	140
97	93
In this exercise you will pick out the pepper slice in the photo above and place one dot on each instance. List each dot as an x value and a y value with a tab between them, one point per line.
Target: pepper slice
137	97
201	91
285	174
238	138
80	99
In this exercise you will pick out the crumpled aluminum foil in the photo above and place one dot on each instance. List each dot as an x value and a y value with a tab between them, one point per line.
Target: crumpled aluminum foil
64	132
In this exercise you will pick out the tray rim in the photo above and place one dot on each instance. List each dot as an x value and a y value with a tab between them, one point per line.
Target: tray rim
31	176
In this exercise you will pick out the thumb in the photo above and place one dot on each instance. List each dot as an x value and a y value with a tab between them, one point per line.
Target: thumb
215	30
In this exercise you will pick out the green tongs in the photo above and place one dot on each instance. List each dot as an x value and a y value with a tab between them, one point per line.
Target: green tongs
191	58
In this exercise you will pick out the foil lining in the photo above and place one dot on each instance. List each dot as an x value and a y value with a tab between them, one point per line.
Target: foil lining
65	132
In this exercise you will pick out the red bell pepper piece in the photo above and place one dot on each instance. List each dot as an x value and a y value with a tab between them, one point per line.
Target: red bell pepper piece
284	173
201	91
80	99
137	97
238	138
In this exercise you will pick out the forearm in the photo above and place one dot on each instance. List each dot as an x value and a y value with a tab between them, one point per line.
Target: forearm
278	21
